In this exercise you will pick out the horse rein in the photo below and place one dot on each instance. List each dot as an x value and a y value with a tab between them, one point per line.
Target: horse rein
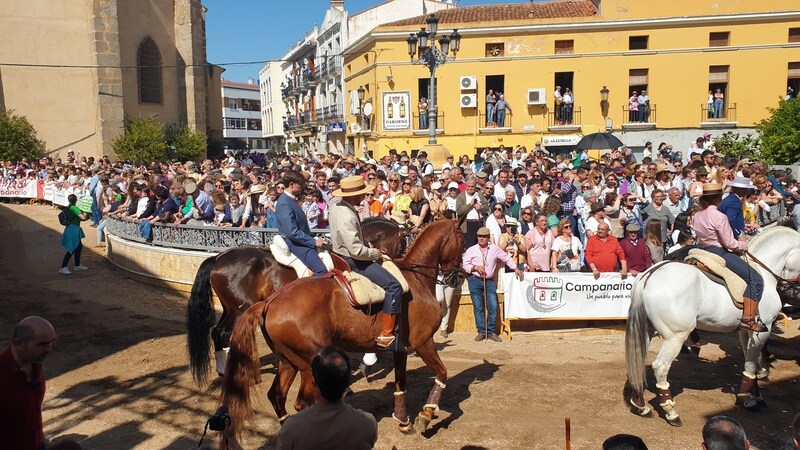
450	274
779	278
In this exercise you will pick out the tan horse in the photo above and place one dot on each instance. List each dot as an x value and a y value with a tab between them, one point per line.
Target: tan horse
302	318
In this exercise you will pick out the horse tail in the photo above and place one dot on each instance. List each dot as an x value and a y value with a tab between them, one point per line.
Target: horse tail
200	318
637	338
242	371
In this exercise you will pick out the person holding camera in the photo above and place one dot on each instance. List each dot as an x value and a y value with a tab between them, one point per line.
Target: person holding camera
335	424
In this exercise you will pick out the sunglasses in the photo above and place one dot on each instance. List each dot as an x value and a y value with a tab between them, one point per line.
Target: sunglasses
406	184
567	226
498	209
393	181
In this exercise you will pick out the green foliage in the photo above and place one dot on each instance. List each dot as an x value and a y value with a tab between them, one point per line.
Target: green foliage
143	140
18	137
780	133
187	144
295	148
733	144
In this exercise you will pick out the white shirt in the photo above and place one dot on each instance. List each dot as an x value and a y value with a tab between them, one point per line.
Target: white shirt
472	214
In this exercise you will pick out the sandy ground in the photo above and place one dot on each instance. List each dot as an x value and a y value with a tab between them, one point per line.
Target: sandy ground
118	377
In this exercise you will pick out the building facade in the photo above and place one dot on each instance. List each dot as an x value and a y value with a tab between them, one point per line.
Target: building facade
312	84
88	65
677	52
273	110
241	116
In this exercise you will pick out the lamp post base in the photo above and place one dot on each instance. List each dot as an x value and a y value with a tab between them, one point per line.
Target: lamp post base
437	154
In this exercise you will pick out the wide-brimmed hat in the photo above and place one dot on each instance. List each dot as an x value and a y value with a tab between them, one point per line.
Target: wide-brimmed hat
257	189
189	187
712	189
511	222
741	182
403	171
352	186
597	206
661	167
436	185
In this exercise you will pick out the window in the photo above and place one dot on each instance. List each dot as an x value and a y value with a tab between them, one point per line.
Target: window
254	124
719	39
235	124
565	47
148	63
794	34
233	103
793	80
637	80
637	42
495	50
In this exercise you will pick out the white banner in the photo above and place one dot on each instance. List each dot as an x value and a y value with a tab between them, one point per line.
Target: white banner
571	295
19	188
397	111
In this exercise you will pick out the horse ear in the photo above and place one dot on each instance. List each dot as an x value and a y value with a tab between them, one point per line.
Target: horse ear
461	220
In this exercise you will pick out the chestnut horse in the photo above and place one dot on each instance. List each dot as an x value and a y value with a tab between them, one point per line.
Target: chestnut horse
305	316
246	275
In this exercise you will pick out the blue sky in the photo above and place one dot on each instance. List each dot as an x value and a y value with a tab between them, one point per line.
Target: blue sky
257	30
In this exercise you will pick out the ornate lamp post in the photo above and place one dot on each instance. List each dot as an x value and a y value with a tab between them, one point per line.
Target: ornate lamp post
423	50
604	108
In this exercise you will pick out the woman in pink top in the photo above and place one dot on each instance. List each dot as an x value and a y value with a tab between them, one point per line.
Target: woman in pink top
715	235
539	242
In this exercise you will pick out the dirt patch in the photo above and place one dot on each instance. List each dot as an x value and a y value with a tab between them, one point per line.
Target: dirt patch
118	377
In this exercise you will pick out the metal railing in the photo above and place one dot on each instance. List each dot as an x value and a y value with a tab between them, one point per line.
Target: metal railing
417	125
638	116
493	123
198	238
727	114
564	116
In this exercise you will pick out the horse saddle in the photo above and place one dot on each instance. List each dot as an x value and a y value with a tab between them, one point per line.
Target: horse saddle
714	267
361	291
282	254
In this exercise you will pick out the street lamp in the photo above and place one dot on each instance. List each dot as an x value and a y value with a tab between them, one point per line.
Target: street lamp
604	102
361	92
427	54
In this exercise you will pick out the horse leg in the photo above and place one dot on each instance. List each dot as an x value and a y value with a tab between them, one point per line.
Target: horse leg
280	388
670	348
431	359
400	414
749	393
221	335
305	396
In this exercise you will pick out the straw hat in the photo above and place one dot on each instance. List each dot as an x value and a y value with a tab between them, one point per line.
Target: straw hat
352	186
189	186
257	189
436	185
403	171
712	189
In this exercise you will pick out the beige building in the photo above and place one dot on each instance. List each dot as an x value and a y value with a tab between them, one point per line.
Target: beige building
77	69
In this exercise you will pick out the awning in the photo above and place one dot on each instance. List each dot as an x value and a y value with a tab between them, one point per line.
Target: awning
560	140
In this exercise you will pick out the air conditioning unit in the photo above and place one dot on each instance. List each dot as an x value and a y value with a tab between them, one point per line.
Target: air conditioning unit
469	83
469	100
355	128
537	96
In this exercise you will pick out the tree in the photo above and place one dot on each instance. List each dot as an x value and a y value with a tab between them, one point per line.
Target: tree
733	144
18	137
780	133
143	140
187	144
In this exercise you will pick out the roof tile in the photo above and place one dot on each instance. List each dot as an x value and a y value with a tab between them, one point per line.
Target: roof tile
508	12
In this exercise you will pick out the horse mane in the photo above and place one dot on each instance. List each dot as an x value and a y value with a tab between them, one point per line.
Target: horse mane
420	233
769	232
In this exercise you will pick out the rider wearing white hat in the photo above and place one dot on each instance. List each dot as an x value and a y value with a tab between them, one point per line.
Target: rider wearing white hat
715	235
348	241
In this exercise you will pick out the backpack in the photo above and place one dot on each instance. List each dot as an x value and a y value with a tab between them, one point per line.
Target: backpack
63	217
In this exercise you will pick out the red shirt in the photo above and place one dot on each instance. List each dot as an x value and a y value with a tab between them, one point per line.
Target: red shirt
604	255
20	405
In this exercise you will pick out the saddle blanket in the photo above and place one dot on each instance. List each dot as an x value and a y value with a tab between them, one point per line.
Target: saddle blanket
362	291
712	264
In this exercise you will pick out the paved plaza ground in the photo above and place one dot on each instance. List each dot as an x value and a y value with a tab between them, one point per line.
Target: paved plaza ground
118	375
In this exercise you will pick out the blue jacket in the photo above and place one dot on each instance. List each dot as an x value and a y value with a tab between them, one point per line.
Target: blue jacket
292	222
731	206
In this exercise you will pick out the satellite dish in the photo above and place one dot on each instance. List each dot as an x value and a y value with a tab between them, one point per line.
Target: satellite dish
368	109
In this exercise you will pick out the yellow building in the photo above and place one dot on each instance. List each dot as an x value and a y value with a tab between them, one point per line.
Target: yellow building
677	51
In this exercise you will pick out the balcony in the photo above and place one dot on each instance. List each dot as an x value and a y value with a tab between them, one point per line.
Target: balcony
726	118
421	129
306	119
564	119
321	115
309	78
493	127
290	123
638	120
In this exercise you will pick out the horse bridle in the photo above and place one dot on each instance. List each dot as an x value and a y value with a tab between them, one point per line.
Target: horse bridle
780	279
450	277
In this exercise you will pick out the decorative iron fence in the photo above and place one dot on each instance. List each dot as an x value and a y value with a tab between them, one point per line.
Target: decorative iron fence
638	116
198	238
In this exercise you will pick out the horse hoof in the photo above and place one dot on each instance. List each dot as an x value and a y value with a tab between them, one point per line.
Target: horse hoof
643	412
675	422
762	374
406	428
421	424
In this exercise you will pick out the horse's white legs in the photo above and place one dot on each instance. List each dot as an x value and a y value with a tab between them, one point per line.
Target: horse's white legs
670	348
749	392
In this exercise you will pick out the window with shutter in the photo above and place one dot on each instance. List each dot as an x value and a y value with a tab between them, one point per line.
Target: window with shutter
719	39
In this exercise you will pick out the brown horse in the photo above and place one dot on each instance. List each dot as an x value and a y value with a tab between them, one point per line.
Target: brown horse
302	318
246	275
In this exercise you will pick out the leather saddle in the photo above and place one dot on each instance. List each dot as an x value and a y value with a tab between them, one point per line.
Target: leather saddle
714	268
359	289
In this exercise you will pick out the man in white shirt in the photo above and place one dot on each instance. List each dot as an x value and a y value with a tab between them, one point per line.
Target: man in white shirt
503	182
673	201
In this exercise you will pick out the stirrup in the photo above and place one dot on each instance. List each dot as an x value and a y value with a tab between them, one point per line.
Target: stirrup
395	344
753	324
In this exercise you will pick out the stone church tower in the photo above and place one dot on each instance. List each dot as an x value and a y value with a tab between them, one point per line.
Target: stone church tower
77	69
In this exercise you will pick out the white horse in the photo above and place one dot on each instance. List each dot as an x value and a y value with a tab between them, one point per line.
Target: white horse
676	298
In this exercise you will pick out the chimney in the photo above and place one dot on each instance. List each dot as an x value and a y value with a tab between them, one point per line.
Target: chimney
337	5
250	80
